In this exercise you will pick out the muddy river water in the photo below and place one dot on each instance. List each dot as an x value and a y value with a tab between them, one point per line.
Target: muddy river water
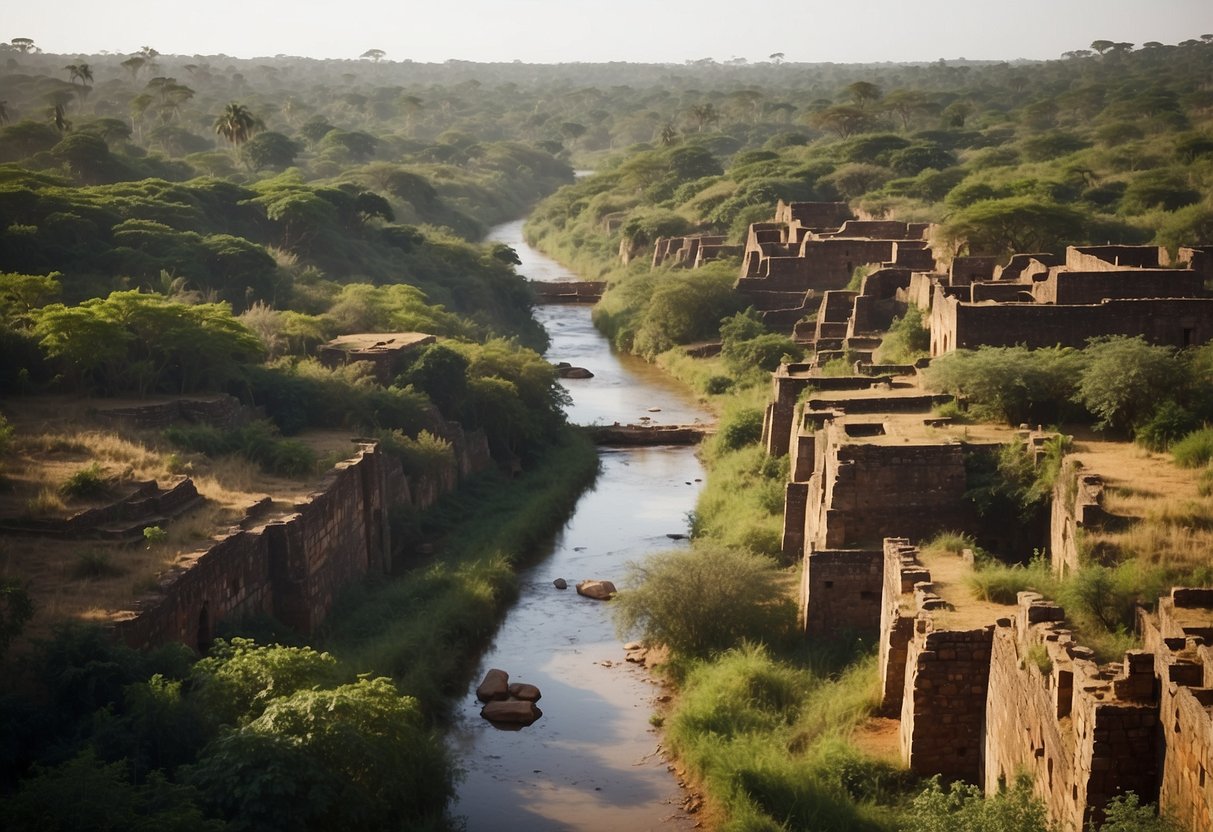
593	761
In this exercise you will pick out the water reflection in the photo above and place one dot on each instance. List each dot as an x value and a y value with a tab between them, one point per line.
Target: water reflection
592	762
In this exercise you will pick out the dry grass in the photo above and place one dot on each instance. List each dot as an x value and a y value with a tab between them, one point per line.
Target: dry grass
1163	518
92	580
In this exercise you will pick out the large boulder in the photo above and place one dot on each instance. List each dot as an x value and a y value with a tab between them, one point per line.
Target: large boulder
528	693
598	590
496	686
514	712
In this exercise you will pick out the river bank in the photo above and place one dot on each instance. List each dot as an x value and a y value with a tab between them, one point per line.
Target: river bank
593	761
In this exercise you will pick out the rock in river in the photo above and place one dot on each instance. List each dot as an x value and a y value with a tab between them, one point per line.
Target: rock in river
496	685
598	590
516	712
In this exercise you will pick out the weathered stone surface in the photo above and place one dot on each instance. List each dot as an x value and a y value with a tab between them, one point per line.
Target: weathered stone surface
496	685
575	372
525	692
560	583
598	590
516	712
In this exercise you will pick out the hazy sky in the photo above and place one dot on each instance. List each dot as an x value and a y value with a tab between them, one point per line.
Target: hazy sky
545	31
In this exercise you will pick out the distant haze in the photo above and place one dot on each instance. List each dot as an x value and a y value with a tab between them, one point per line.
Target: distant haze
656	31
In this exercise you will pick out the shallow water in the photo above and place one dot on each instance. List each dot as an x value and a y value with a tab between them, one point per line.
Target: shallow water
592	762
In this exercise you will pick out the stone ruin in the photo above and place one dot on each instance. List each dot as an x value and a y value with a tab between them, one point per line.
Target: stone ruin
812	248
1040	300
692	251
1005	690
384	351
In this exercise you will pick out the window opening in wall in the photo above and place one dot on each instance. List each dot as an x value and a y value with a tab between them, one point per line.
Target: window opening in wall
865	595
1187	340
829	584
1202	776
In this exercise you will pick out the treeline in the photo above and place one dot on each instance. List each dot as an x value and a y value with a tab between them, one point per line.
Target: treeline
1114	147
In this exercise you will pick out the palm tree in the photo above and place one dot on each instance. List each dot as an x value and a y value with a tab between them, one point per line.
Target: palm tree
4	116
237	124
85	73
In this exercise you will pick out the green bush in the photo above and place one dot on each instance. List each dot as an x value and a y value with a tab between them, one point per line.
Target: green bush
1194	450
1170	422
258	442
87	482
1125	813
703	600
426	455
964	808
907	340
739	428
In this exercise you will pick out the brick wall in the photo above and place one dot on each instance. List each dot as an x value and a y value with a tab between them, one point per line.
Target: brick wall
294	567
1169	322
943	706
862	493
840	592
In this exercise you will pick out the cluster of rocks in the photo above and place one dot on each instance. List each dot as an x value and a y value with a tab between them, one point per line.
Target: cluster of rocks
512	704
598	590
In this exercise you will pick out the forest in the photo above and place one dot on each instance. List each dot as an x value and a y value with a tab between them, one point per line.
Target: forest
200	224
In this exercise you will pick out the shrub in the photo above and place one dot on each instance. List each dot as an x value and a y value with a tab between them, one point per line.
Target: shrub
717	385
1169	423
907	340
426	455
1194	450
1124	813
257	442
1124	377
703	600
1002	583
87	482
965	808
95	565
740	428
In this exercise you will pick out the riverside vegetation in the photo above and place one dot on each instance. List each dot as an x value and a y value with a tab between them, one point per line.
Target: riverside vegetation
230	215
1031	158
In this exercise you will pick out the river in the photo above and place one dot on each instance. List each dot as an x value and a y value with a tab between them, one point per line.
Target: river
593	761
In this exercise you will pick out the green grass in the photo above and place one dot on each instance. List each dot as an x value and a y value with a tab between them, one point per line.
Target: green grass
768	739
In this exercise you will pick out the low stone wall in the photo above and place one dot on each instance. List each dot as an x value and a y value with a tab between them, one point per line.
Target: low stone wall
840	592
294	567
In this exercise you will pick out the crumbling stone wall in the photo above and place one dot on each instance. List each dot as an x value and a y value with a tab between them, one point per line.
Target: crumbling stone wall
1177	322
1087	287
1084	733
1178	635
902	572
862	493
840	592
943	706
293	567
1077	506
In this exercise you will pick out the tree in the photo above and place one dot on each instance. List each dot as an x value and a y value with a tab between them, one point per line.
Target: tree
843	120
237	125
24	45
864	93
1015	224
16	609
704	115
776	57
270	150
1125	379
963	808
1102	46
375	55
